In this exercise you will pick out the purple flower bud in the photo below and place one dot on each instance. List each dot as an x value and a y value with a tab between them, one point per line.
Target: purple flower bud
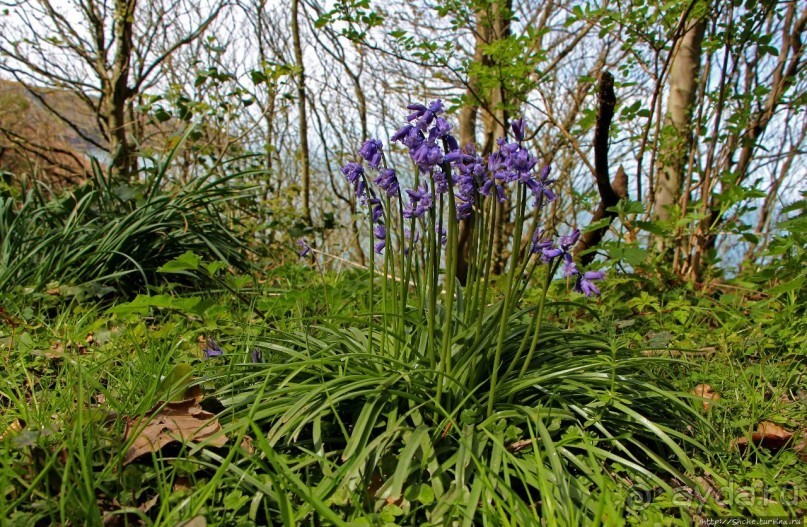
485	189
401	133
388	182
371	150
212	349
377	212
451	142
594	275
353	172
442	127
585	283
380	233
518	128
256	355
440	181
500	195
539	245
305	248
464	210
417	107
568	241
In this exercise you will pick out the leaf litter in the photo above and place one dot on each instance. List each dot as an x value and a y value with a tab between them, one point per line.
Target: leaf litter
180	421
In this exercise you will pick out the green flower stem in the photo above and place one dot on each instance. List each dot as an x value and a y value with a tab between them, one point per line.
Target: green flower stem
451	271
432	278
505	315
539	317
384	310
485	262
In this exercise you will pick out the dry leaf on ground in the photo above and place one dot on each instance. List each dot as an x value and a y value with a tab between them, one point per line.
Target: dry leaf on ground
178	421
768	435
708	394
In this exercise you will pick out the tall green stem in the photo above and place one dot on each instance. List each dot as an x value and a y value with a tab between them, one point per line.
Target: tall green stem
451	271
508	292
550	271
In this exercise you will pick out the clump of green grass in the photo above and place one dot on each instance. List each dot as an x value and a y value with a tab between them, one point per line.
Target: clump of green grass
116	235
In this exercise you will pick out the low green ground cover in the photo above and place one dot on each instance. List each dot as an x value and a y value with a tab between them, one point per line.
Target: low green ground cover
291	392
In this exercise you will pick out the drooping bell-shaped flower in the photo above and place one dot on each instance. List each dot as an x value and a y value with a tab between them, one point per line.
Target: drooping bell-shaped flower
371	150
585	283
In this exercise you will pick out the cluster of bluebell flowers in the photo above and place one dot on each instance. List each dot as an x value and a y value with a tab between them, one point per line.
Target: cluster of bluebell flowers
449	167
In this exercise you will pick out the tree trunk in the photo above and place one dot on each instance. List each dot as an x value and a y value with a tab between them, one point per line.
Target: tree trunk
676	136
303	121
610	192
115	95
495	123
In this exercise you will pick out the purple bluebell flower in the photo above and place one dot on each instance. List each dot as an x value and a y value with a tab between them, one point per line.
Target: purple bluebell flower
521	161
360	188
491	184
451	143
353	172
388	182
566	244
304	248
468	179
539	243
380	233
420	202
441	233
458	156
402	133
212	349
425	114
426	155
540	186
371	150
409	136
518	128
585	283
376	209
440	181
256	355
464	210
441	127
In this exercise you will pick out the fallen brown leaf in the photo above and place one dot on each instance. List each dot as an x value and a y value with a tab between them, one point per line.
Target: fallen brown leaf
768	435
247	445
172	422
707	393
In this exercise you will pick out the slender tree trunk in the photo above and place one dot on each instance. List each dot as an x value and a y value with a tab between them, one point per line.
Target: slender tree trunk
115	94
301	110
495	125
676	137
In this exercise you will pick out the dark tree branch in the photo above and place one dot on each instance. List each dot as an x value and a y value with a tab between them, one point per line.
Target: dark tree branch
610	193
